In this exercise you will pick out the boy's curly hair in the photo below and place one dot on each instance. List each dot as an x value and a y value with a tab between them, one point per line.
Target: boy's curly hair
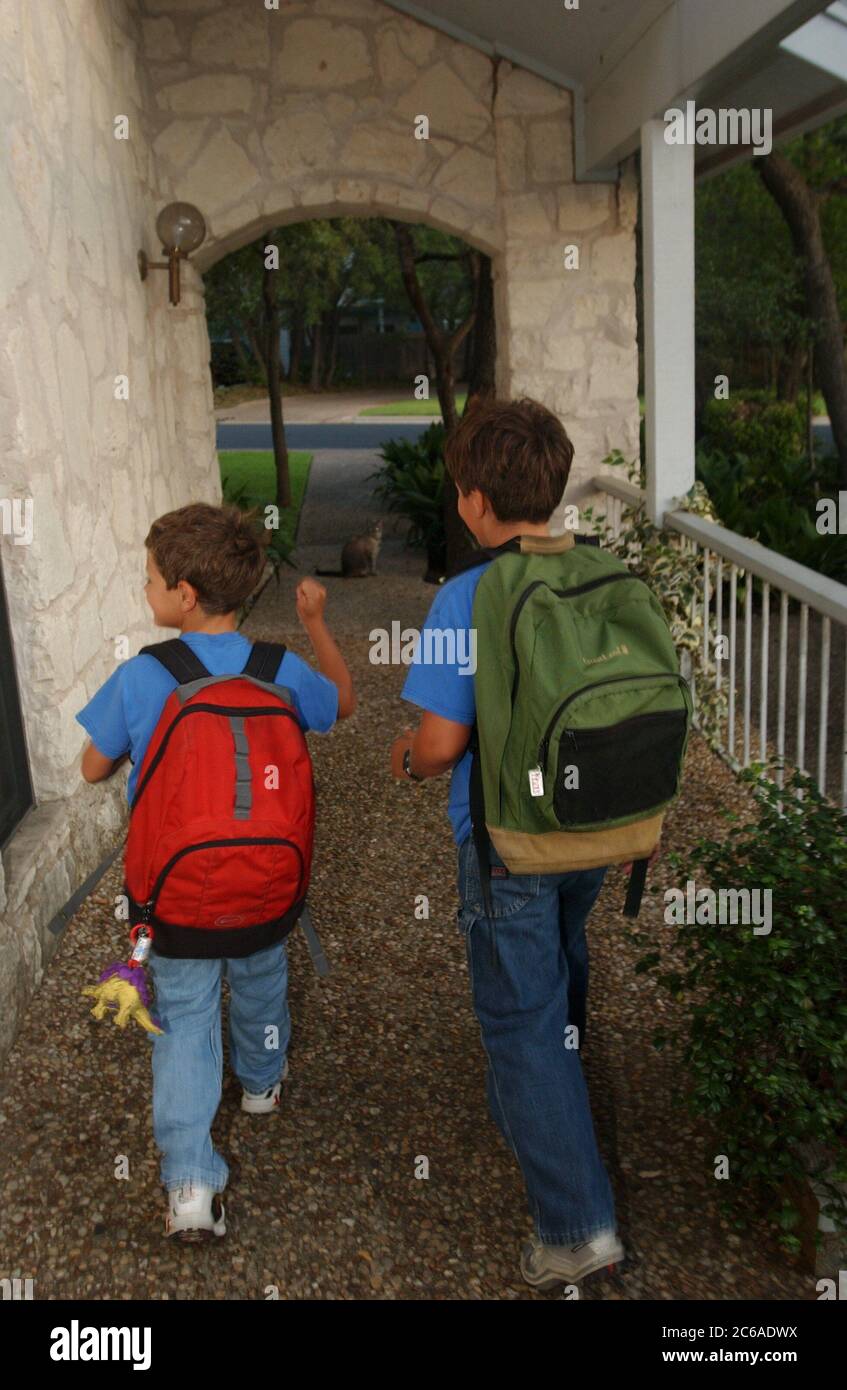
517	453
215	549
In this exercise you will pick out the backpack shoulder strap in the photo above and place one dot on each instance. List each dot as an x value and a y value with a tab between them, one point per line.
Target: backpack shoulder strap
178	660
264	661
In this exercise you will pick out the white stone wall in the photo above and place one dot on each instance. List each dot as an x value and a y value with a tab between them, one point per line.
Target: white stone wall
260	117
74	314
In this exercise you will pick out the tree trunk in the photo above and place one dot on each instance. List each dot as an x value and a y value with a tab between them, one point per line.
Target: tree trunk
317	357
790	372
283	480
256	350
333	319
295	361
800	206
483	363
443	350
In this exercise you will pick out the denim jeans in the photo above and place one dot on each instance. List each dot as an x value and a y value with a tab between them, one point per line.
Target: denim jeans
524	1002
188	1057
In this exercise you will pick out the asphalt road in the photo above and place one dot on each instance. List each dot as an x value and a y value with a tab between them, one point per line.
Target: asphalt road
344	436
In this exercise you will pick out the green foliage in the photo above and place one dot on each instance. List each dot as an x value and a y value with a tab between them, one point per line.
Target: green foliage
766	431
751	463
764	1030
248	481
411	483
674	573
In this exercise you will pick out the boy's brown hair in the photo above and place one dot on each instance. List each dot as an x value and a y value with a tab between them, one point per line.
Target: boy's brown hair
515	452
215	549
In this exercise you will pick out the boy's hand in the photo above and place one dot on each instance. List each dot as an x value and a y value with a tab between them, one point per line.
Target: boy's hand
311	600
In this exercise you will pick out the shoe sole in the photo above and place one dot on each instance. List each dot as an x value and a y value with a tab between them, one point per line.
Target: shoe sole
547	1282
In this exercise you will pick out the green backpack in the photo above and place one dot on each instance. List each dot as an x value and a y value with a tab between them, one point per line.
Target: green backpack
582	715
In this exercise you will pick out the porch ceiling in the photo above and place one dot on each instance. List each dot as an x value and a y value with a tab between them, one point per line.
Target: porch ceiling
627	61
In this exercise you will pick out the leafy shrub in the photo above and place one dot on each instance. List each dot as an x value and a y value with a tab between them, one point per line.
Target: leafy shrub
674	574
411	483
765	1027
765	431
778	509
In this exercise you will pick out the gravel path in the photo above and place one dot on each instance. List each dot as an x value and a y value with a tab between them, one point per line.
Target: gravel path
386	1064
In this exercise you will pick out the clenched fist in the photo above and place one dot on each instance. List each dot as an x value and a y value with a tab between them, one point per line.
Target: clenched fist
311	600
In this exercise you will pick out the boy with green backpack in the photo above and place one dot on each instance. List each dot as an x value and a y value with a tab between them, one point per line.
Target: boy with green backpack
566	740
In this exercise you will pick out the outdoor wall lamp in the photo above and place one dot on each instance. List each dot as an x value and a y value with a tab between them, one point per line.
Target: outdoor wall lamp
181	229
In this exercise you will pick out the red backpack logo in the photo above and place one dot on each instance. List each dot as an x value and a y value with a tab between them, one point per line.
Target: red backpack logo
219	850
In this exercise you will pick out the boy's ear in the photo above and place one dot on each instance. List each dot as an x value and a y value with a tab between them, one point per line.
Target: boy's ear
187	595
479	504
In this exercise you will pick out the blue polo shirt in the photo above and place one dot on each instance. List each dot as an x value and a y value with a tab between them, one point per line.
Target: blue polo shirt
447	687
121	717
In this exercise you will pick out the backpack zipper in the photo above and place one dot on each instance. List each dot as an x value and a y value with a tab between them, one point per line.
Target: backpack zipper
227	710
544	745
561	593
216	844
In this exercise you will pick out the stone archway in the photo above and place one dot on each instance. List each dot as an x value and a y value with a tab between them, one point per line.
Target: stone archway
266	117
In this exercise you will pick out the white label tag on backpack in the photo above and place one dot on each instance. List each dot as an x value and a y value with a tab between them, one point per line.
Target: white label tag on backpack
536	781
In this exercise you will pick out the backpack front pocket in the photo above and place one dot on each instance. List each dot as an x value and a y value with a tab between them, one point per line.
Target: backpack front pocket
601	773
626	769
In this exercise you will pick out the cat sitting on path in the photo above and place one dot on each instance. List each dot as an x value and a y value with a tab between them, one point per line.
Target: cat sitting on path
358	557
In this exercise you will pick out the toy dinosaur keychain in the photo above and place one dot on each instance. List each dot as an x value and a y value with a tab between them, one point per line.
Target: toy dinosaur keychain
122	989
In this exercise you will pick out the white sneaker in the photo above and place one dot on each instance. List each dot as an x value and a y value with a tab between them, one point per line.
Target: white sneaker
264	1101
195	1212
545	1266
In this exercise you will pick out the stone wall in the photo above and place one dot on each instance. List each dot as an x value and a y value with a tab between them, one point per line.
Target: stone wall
77	205
260	117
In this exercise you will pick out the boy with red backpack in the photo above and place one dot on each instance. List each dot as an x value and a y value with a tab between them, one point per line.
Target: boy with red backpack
221	827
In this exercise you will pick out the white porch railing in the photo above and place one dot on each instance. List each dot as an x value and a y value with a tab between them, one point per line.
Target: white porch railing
805	701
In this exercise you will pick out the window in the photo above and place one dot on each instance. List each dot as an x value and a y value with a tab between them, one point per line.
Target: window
15	787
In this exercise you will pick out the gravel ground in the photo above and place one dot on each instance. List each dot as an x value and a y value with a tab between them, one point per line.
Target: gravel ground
386	1063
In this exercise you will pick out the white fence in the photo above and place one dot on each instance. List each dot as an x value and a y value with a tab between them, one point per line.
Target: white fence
786	678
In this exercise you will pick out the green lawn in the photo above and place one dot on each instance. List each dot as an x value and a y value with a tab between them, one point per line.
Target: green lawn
253	471
431	407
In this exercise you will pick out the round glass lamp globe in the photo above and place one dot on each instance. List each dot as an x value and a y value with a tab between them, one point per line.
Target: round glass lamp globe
180	227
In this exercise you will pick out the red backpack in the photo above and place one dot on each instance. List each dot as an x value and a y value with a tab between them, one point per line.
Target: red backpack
221	829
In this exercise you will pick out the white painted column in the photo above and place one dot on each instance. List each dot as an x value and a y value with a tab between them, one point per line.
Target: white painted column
667	173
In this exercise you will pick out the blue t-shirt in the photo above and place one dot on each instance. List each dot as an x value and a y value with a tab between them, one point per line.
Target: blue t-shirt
121	717
445	686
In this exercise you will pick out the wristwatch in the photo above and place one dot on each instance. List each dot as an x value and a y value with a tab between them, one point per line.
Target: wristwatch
413	776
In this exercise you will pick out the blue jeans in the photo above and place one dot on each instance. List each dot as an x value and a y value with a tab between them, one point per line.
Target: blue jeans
188	1057
524	1003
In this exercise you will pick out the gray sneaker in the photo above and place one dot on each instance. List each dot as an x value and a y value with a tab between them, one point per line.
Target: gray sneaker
545	1266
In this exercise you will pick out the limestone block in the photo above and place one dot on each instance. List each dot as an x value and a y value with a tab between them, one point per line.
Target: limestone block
394	67
299	142
417	40
237	36
160	38
511	155
180	6
521	93
104	552
551	151
76	407
584	205
19	255
526	218
317	53
377	149
32	181
614	372
470	176
452	109
179	141
363	11
218	95
221	175
613	258
86	230
475	69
